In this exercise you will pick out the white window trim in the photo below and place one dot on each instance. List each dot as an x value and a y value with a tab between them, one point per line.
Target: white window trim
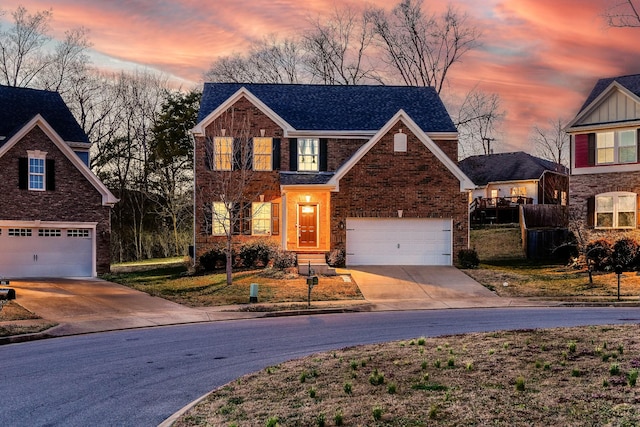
256	208
269	155
37	155
616	195
616	147
308	166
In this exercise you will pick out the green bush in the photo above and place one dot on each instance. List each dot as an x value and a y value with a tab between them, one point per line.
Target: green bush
336	258
600	253
625	252
468	258
214	259
257	253
284	259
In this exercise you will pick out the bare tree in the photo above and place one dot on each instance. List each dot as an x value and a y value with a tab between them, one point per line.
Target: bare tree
479	115
337	50
622	13
551	141
421	47
25	62
269	61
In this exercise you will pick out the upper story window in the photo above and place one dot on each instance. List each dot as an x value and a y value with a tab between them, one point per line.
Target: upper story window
616	147
37	170
262	154
222	153
308	154
615	210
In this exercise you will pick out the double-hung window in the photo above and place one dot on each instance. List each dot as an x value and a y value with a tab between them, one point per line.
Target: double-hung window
261	218
37	170
221	221
262	154
615	210
616	147
308	154
223	153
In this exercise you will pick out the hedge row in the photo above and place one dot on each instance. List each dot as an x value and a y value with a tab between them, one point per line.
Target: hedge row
251	254
605	255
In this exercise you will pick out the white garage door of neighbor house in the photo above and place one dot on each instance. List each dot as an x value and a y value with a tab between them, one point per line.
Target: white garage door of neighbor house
50	252
398	241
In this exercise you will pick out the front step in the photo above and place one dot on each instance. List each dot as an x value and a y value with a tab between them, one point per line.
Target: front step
318	264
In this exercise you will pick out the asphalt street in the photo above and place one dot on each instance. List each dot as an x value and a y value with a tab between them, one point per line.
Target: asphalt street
140	377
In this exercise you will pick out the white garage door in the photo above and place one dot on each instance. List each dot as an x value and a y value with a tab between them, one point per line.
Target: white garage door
398	241
46	252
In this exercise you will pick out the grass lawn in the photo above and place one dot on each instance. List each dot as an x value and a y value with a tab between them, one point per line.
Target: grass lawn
13	312
570	377
174	284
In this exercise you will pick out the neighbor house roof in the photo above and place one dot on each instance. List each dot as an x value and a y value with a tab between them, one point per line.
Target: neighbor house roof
630	82
19	105
337	108
517	166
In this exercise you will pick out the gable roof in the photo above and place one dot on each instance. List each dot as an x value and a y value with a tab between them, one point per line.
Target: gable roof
465	182
333	108
517	166
630	82
108	199
19	105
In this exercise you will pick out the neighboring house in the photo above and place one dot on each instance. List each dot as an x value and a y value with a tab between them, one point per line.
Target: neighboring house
54	216
506	180
605	167
367	169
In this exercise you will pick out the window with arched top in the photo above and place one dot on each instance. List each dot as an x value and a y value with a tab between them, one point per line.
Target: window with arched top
616	210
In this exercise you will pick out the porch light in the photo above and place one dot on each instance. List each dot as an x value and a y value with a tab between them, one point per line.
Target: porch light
307	198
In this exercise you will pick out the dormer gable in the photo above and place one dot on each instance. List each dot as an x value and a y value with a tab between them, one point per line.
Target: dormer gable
616	105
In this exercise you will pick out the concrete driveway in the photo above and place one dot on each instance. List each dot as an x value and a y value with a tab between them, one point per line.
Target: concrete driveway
92	305
422	287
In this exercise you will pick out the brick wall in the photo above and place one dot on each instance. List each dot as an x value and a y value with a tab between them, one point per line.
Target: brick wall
74	199
416	182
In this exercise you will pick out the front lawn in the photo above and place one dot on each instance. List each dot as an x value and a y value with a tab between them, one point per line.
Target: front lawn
174	284
529	279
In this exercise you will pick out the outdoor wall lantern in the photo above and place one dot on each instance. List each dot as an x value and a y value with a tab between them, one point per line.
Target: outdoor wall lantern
307	198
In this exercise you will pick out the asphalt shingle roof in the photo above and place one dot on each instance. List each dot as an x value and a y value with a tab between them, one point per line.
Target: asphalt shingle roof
500	167
320	107
19	105
630	82
301	178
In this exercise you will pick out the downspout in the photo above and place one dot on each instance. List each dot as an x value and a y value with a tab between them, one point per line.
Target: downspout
193	142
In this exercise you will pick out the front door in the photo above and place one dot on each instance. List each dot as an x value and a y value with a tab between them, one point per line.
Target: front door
308	229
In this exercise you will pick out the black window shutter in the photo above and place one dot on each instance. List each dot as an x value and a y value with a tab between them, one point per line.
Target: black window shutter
237	154
249	154
592	149
236	220
275	153
591	211
50	170
208	154
246	218
23	173
323	155
207	223
275	219
293	154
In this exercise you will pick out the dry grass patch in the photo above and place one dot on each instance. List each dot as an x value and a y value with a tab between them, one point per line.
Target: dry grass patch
525	279
519	378
14	312
211	290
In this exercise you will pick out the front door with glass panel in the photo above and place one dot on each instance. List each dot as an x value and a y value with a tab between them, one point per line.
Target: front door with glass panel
307	226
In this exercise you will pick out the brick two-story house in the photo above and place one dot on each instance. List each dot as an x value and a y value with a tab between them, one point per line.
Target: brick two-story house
605	162
371	170
55	213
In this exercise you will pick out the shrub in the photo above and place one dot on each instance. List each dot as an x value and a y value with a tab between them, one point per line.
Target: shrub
632	377
336	258
338	418
214	259
377	413
520	384
600	253
257	253
468	258
625	252
284	259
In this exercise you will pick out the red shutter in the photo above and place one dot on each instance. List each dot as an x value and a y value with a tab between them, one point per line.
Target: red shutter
581	144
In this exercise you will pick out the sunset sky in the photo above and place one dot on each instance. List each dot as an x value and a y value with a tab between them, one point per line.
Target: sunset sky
541	56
